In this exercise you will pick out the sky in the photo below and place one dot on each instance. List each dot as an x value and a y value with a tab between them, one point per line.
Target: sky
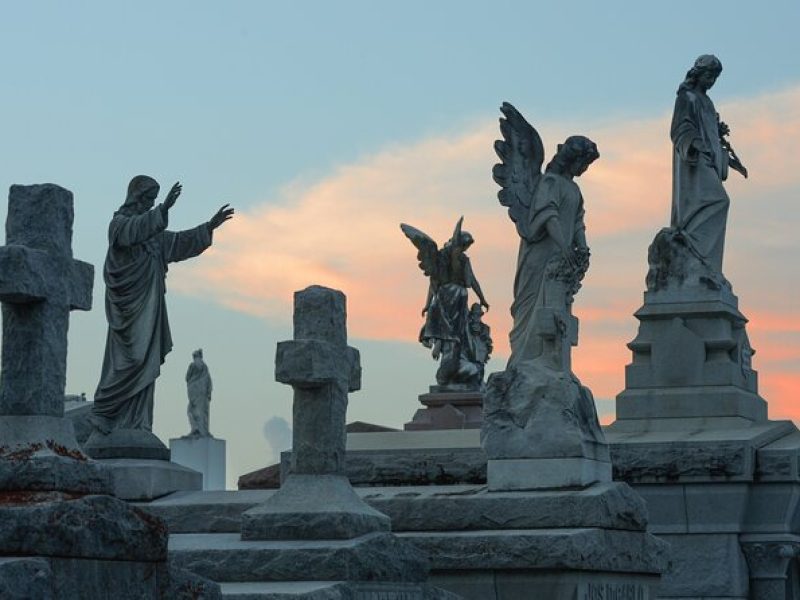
327	124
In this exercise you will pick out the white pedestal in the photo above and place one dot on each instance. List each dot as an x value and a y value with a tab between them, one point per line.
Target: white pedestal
204	454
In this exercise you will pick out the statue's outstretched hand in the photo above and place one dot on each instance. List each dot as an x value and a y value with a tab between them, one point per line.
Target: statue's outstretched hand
172	196
222	215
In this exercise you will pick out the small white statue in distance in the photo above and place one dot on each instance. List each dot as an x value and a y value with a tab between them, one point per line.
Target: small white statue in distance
198	388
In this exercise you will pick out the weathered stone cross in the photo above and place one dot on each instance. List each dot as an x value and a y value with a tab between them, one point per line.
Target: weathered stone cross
316	500
40	283
322	368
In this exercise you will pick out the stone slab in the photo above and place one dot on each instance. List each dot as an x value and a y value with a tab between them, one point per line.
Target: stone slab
331	590
126	443
545	473
549	585
584	549
226	557
704	566
203	454
96	527
610	505
407	440
313	507
704	454
690	402
142	479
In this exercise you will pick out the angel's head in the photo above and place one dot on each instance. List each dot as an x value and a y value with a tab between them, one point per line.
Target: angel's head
703	73
574	156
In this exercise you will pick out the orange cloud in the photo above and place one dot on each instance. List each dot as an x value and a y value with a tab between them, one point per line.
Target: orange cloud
342	231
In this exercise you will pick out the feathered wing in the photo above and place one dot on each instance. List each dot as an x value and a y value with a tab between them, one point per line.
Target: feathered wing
428	251
522	154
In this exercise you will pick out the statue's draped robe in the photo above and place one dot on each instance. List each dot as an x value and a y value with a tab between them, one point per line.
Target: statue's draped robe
139	249
556	197
447	315
699	202
198	388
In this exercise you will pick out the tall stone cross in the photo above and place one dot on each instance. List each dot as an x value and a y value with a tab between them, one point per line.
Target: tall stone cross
322	369
40	283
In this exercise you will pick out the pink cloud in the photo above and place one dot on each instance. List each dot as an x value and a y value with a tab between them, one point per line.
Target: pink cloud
342	231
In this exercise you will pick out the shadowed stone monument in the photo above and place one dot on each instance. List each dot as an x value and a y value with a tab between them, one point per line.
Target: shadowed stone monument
315	528
692	433
139	250
454	332
199	450
59	536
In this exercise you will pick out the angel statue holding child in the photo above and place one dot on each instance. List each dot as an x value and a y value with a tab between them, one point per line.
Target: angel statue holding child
450	328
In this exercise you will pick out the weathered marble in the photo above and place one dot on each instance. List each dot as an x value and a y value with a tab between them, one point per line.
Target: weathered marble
226	557
203	454
198	388
316	500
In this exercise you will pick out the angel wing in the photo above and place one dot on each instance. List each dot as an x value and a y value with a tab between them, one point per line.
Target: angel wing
522	154
428	254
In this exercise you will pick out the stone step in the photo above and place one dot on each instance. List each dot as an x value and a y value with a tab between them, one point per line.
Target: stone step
430	508
331	590
225	557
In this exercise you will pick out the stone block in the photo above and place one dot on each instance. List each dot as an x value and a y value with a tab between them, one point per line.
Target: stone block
329	590
545	473
308	507
690	402
716	507
97	527
226	557
773	508
141	479
203	454
581	549
666	507
704	566
23	578
532	411
126	443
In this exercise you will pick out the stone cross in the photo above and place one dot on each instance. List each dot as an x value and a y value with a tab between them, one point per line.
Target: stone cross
322	369
40	283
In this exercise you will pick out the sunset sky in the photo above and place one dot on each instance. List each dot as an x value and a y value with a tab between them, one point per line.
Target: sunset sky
327	124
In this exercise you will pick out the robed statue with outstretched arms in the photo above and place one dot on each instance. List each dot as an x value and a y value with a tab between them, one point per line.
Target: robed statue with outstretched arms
547	210
140	248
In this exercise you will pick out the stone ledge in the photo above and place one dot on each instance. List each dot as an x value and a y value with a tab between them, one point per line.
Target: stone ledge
142	479
226	557
584	549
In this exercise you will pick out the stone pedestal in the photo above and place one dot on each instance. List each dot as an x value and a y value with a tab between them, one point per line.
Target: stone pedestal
692	436
61	536
448	409
139	465
203	454
540	430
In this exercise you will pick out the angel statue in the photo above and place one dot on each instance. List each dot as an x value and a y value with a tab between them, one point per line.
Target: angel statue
447	328
547	209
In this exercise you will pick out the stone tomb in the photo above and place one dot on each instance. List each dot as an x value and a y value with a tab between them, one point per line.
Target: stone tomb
483	543
61	535
692	437
315	534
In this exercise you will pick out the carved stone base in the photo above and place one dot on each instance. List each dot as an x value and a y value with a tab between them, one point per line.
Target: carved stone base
126	443
307	507
545	473
448	410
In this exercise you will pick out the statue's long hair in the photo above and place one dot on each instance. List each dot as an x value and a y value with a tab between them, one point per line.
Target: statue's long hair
136	187
704	63
573	148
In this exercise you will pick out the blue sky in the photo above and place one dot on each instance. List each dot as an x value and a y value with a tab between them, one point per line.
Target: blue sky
264	104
